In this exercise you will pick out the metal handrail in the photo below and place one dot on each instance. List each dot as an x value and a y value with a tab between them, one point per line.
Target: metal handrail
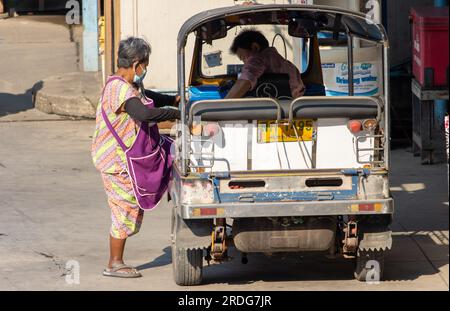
359	150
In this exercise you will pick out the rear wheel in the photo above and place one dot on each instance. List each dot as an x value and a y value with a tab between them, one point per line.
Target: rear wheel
187	264
369	266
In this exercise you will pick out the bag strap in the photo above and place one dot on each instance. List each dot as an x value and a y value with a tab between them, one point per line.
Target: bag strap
106	119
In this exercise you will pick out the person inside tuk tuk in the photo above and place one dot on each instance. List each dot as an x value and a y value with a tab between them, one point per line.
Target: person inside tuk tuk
253	49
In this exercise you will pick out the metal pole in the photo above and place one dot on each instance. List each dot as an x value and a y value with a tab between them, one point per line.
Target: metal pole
440	3
90	35
351	87
135	18
182	93
440	106
387	107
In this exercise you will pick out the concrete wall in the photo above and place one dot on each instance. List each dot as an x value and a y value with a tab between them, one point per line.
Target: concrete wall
347	4
36	5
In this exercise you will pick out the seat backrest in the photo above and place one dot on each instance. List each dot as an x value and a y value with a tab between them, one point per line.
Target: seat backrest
352	107
272	85
236	109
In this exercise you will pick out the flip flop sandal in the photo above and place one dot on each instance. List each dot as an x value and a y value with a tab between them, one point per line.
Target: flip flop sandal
114	272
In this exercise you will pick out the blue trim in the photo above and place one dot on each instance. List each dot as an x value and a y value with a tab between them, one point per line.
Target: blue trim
336	93
440	3
440	105
215	175
217	196
440	109
287	196
205	92
304	56
356	172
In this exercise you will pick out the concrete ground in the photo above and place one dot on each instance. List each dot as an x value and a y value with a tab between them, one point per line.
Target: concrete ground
32	48
53	208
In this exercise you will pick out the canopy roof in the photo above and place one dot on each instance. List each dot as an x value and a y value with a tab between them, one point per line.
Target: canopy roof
332	19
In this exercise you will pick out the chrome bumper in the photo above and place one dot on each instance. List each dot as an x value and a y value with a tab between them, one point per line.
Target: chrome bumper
285	209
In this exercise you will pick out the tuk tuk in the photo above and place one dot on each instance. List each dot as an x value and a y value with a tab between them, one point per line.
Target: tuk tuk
269	173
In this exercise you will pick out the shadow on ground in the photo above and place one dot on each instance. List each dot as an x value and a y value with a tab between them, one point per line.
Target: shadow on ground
311	267
163	260
15	103
420	240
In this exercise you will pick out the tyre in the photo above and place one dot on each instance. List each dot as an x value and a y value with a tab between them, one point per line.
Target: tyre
187	264
369	266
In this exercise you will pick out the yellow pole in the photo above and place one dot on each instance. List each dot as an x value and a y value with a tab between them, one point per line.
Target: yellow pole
101	41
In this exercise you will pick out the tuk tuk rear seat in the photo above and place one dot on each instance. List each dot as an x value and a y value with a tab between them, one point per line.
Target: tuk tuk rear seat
301	108
239	109
355	107
239	147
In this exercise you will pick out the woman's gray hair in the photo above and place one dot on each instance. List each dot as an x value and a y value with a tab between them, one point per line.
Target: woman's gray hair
133	50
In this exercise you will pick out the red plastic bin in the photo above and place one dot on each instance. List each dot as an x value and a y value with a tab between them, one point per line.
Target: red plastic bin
430	45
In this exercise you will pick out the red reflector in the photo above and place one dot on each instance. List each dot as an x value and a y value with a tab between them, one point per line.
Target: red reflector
211	129
208	211
354	126
366	207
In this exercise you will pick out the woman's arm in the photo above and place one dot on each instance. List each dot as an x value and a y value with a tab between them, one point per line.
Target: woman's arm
140	112
161	100
239	89
253	69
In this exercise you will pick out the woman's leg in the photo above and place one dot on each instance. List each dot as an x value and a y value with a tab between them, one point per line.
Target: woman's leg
116	266
126	216
116	248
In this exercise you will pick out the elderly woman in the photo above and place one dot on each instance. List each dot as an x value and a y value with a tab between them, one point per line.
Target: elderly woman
126	118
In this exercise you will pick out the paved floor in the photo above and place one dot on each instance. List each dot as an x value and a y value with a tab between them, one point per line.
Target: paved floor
32	49
53	209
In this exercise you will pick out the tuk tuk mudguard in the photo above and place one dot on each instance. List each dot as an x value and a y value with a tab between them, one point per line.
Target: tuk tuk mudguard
376	241
193	233
375	235
189	233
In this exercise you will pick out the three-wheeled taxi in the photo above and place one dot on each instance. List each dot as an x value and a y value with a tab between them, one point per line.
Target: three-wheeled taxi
269	173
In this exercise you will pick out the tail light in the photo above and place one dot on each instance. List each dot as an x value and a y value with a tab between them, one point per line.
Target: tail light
211	129
205	129
370	125
371	207
355	126
196	129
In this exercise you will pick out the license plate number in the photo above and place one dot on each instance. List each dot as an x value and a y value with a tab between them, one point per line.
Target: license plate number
299	130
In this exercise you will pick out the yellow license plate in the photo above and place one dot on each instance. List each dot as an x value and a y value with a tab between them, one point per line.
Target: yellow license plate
269	132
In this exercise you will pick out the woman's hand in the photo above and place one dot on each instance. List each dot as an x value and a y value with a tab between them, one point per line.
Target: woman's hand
177	100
